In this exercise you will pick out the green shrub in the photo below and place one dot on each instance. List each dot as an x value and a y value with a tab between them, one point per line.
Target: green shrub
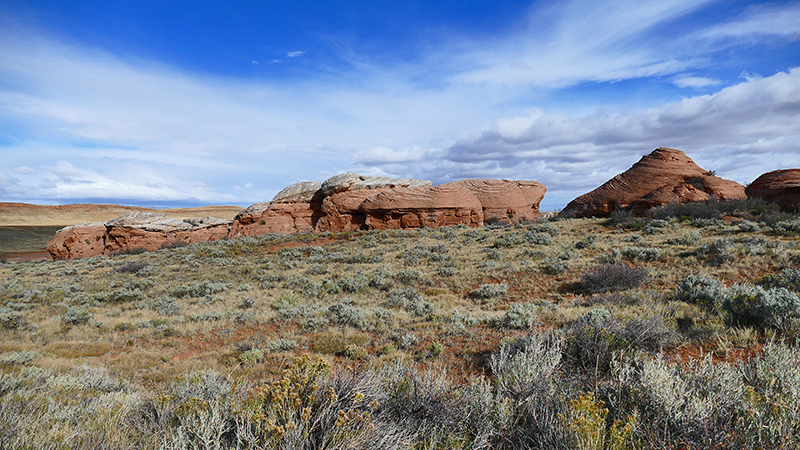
704	291
519	316
613	277
789	278
641	253
407	341
754	306
447	271
10	319
554	266
167	306
716	253
507	240
597	337
354	284
205	288
624	218
76	316
305	285
690	238
586	242
22	358
408	276
208	316
280	345
538	238
345	314
747	226
403	298
787	227
543	228
131	267
382	280
487	291
435	349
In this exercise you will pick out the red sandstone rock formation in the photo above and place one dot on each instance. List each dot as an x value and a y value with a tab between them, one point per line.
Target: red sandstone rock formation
416	207
149	231
664	176
295	209
344	202
779	186
83	240
344	194
507	201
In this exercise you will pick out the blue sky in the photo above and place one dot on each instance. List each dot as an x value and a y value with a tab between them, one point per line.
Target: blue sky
190	103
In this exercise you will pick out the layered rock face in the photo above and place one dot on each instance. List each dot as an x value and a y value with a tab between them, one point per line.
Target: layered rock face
344	194
149	231
425	206
507	201
779	186
664	176
312	206
349	202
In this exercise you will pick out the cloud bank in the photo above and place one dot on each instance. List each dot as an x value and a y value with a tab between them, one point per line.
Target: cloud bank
741	132
77	122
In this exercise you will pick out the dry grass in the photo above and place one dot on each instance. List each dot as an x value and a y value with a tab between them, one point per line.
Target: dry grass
245	308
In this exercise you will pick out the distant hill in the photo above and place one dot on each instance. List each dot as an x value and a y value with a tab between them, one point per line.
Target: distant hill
24	214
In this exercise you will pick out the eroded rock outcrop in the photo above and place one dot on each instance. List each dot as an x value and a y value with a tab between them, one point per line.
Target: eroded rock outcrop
83	240
507	201
664	176
423	206
148	231
779	186
345	202
332	205
345	193
295	209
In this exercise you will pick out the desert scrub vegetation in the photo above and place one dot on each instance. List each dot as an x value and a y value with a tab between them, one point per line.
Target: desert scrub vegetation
675	330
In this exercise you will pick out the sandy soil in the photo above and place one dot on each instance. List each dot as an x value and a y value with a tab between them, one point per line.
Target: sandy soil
23	214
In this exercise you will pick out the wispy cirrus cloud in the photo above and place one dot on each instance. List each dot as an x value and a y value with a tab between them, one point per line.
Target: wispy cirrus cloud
759	20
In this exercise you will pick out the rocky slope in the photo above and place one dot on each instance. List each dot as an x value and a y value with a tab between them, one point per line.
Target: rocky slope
664	176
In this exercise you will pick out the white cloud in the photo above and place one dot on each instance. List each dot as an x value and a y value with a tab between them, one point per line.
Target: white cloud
23	170
741	132
248	186
295	54
760	20
65	181
570	42
695	82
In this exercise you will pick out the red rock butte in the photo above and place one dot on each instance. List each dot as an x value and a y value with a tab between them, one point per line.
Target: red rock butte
664	176
345	202
779	186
